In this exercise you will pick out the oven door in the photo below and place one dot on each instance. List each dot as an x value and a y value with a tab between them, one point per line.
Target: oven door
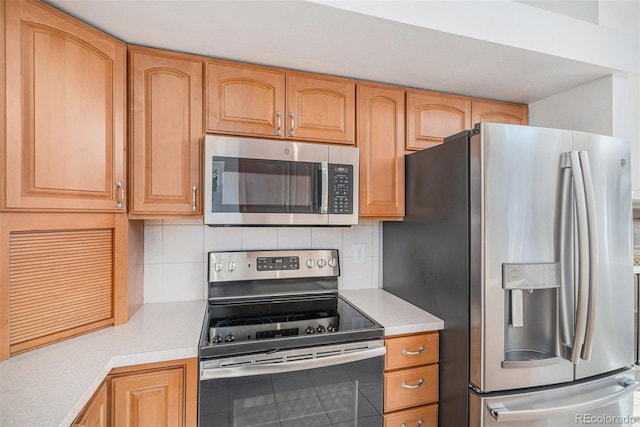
338	385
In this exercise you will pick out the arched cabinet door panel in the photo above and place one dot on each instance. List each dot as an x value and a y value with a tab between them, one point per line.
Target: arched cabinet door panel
433	116
381	143
499	112
65	113
165	92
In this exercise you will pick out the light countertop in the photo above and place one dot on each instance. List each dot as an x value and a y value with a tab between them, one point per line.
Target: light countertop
395	314
50	386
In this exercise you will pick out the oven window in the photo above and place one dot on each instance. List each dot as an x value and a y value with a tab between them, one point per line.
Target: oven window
343	395
264	186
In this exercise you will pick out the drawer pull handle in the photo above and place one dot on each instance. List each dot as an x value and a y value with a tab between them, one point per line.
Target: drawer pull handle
405	385
420	422
406	352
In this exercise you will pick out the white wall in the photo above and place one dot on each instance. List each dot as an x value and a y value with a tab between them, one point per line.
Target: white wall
607	106
175	253
587	108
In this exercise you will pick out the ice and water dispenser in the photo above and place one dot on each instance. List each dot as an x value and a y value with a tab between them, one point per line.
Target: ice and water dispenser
531	314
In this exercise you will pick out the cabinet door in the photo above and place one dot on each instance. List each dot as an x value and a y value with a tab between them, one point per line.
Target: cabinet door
320	108
165	91
88	267
381	143
153	398
245	100
65	123
432	116
95	412
498	112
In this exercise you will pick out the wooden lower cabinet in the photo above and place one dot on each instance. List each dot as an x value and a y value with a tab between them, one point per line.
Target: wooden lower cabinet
95	412
155	394
422	416
411	380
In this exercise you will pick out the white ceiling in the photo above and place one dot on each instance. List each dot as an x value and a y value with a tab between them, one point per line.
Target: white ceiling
314	37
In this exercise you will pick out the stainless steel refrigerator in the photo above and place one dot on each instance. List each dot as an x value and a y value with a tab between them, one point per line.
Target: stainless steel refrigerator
520	239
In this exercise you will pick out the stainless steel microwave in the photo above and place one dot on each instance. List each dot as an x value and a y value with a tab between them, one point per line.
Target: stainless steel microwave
252	181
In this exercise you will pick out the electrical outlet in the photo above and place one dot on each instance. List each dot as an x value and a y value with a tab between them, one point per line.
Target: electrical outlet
359	254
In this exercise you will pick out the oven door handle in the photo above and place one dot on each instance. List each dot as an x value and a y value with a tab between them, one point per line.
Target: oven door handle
286	366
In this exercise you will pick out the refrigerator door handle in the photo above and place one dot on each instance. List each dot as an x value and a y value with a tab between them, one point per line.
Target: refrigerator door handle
593	253
566	306
503	414
583	257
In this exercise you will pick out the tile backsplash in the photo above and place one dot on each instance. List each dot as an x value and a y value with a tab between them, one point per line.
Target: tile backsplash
175	253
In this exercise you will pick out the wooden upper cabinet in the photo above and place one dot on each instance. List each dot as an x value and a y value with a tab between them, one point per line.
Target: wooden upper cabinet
381	141
251	100
245	100
498	112
165	91
65	113
433	116
320	108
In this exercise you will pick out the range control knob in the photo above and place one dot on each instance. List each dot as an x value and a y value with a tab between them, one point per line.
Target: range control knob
218	266
332	328
322	263
310	263
332	262
231	265
310	330
321	329
216	339
230	338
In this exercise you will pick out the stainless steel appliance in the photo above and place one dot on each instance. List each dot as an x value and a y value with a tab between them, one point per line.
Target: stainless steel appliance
519	238
268	182
280	347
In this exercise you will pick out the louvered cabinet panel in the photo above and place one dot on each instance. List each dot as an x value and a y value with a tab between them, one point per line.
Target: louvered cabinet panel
60	284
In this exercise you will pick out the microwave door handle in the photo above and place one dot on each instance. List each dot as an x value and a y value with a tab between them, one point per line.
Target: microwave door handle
593	253
324	187
583	254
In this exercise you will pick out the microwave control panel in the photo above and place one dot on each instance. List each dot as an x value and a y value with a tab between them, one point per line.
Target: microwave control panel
340	189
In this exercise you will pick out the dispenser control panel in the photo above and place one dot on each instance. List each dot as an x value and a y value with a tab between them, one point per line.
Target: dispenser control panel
531	276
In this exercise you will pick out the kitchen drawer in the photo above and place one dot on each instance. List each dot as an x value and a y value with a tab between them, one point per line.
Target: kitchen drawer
413	350
423	416
420	387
